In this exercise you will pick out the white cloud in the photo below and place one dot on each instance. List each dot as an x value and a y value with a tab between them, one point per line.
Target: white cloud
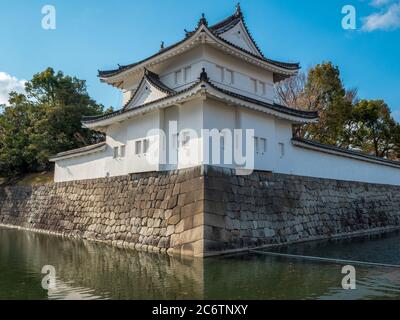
380	3
9	83
387	19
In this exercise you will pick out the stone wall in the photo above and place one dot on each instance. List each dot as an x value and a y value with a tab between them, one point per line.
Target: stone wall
150	211
265	209
201	211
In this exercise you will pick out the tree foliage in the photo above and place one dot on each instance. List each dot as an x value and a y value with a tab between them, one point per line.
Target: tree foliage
374	129
365	125
43	121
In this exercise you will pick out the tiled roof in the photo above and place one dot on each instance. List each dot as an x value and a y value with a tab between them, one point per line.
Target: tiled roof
154	79
274	106
204	79
92	119
93	147
216	30
110	73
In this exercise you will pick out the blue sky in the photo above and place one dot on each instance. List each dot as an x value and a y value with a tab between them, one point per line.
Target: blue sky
99	34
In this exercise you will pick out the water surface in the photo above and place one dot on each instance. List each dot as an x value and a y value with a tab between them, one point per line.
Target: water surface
86	270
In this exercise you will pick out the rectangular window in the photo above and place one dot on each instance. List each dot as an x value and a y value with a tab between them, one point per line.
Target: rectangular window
262	88
115	155
187	74
138	147
263	145
254	85
256	146
146	145
230	76
220	72
185	139
122	151
178	77
282	149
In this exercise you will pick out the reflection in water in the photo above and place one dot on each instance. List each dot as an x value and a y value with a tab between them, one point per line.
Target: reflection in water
89	270
86	270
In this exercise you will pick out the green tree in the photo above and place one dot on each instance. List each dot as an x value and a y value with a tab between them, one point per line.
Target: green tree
44	121
374	129
325	93
17	155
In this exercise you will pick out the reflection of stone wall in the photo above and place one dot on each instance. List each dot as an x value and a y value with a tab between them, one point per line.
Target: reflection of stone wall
201	211
266	209
151	211
87	269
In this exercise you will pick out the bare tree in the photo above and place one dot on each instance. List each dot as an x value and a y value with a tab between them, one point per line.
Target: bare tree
290	92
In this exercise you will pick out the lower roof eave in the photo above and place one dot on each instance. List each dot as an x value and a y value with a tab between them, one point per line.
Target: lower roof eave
202	89
79	152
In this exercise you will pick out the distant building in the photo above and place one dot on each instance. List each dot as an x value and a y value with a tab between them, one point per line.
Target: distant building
217	79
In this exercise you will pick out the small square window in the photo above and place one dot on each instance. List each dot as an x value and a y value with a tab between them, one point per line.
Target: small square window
178	77
220	71
185	139
230	76
256	146
146	145
115	155
282	149
187	73
122	151
254	85
138	147
262	88
263	145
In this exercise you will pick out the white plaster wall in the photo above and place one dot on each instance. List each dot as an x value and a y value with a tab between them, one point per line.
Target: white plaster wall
243	72
220	116
190	65
199	114
264	127
81	168
305	162
127	133
317	164
191	119
193	59
295	160
146	94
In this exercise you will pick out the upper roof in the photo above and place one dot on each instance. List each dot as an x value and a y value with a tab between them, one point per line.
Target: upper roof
201	87
218	32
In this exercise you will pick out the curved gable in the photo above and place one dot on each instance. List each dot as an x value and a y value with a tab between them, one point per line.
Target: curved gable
239	36
145	93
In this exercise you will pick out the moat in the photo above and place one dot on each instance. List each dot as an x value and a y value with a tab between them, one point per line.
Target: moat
85	270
